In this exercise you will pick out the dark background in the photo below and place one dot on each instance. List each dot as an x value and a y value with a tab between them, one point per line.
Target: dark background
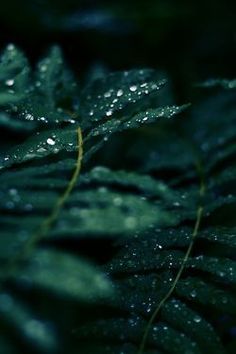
190	40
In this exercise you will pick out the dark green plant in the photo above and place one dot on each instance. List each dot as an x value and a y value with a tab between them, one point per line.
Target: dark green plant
95	260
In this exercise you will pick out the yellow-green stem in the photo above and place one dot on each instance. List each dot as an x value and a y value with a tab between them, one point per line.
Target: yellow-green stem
185	259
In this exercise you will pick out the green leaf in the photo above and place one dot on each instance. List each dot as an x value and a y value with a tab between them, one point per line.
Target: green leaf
64	275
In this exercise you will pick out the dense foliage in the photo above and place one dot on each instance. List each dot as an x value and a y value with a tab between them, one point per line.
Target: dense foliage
123	260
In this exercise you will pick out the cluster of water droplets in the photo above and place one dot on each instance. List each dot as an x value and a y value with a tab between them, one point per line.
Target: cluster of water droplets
116	98
35	102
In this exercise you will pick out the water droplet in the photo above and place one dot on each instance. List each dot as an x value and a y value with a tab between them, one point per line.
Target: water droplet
51	141
41	150
108	113
10	82
221	274
119	93
29	117
193	293
10	47
43	119
107	94
13	191
133	88
197	319
43	68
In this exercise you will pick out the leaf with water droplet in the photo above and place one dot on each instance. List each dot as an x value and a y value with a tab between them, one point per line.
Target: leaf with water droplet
115	92
135	121
43	144
54	81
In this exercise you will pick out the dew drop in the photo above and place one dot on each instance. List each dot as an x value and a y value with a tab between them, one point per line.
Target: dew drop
43	119
9	82
29	117
193	293
43	68
41	150
109	113
119	93
197	319
51	141
107	94
133	88
10	47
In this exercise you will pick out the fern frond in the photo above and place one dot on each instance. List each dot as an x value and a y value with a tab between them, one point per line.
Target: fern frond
174	284
45	197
